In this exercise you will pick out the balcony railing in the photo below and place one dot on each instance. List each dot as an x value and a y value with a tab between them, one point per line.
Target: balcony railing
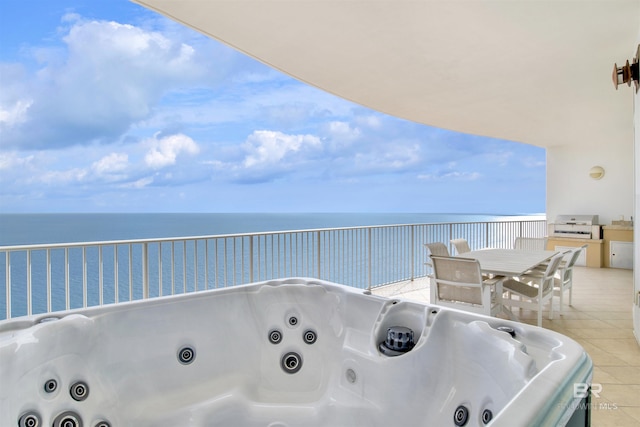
47	278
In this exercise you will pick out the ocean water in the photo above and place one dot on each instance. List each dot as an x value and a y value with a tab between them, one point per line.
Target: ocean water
25	229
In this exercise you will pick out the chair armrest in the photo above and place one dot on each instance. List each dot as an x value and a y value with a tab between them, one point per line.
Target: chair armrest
492	281
531	278
532	274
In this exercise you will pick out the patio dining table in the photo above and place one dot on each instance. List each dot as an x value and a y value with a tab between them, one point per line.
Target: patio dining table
508	262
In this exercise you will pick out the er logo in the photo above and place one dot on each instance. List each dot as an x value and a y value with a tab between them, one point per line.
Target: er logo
581	390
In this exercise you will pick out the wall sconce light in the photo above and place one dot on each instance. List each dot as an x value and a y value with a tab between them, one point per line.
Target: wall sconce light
596	172
627	73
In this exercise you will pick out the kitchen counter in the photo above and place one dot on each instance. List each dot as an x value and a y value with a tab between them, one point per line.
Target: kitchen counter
618	227
615	237
593	255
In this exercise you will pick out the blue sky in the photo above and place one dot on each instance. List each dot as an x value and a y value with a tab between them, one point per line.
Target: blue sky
108	107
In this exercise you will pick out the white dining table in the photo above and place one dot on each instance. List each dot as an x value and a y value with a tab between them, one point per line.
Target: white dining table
508	262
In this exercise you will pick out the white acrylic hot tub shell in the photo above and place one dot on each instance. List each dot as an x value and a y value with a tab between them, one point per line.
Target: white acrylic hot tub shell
127	354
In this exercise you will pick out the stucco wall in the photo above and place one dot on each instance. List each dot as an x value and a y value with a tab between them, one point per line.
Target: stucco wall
570	189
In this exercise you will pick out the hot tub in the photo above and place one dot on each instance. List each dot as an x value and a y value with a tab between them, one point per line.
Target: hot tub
284	353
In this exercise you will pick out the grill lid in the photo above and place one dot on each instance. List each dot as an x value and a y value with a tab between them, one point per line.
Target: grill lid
577	219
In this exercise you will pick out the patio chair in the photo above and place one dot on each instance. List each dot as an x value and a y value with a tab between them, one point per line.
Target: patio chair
533	290
435	248
531	243
458	284
563	280
461	245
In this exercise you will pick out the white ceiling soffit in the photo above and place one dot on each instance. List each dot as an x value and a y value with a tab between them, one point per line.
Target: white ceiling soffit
532	71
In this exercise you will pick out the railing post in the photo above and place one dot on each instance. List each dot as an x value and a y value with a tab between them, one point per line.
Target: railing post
131	272
49	296
29	308
100	275
251	258
84	279
160	287
206	264
116	276
8	284
145	272
195	264
413	252
486	234
173	267
184	268
67	289
369	255
318	253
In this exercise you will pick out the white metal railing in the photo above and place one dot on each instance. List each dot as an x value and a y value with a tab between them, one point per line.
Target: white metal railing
47	278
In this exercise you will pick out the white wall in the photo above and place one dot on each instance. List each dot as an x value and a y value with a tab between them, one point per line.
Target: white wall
636	228
570	189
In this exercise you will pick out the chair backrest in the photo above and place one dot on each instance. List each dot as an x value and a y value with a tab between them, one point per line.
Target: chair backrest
571	258
461	245
437	248
457	280
531	243
550	272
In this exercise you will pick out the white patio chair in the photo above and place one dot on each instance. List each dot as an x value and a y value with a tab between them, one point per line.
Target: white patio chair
459	284
461	245
531	243
435	248
533	290
563	279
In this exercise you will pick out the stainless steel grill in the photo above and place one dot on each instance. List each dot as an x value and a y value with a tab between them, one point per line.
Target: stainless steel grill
575	226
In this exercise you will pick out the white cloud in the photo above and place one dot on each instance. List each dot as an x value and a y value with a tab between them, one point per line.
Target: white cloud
370	121
164	151
451	176
532	162
63	177
107	77
265	148
501	158
15	114
343	131
140	183
113	163
12	160
397	156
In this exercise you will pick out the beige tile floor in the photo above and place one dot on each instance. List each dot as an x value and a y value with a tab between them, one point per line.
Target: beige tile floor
600	320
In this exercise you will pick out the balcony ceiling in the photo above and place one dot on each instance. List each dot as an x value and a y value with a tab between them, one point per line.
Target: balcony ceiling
532	71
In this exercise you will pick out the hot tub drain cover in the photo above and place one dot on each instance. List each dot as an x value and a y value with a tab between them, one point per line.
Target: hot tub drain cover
399	341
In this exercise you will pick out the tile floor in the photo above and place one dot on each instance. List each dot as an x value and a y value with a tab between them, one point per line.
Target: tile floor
600	320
